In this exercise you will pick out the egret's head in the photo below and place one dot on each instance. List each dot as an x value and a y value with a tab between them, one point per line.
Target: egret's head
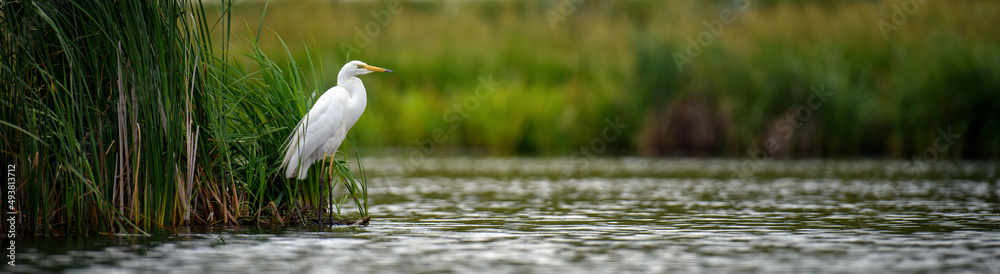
354	68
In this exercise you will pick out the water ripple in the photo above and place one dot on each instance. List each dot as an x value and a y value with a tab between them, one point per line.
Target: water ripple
604	224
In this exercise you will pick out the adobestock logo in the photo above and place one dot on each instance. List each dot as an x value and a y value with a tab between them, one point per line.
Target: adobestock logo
611	132
454	116
363	38
786	128
900	15
932	153
713	29
560	12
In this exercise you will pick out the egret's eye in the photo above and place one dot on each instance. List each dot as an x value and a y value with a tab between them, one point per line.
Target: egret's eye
361	66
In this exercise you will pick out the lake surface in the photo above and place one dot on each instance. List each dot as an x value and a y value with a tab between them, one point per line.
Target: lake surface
628	215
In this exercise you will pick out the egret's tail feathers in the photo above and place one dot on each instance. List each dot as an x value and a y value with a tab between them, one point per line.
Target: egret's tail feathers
291	162
304	172
298	166
292	167
293	158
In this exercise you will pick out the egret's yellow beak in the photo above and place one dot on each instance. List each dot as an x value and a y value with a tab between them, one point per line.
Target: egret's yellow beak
376	69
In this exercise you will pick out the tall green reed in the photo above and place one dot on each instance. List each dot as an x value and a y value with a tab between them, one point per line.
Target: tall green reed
108	88
125	115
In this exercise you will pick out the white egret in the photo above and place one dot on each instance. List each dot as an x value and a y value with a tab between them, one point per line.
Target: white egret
325	127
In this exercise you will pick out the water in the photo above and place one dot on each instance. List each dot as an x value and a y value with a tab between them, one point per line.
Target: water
603	216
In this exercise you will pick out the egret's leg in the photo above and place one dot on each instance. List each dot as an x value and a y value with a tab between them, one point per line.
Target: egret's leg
322	187
319	219
330	193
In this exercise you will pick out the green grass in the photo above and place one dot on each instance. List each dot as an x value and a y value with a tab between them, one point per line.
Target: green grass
122	116
614	59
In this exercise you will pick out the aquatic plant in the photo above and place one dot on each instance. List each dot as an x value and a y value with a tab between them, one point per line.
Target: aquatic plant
121	116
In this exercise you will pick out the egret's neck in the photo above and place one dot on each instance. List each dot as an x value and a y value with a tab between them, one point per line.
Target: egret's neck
344	78
359	97
353	85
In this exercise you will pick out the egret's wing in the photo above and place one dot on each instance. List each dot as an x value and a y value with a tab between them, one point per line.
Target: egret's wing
318	126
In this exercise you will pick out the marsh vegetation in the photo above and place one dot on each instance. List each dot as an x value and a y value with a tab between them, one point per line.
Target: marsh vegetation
123	116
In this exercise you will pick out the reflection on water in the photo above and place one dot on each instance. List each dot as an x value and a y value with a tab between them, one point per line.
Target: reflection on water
630	215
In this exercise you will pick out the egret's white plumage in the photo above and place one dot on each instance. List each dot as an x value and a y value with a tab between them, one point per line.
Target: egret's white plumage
324	128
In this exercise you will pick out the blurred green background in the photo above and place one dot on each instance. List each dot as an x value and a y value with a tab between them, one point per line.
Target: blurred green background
896	74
